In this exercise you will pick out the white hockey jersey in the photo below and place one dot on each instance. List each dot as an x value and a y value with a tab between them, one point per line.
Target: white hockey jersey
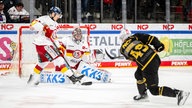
37	25
75	52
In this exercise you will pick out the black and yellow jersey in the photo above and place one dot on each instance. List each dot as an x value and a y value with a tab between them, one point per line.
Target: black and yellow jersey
137	48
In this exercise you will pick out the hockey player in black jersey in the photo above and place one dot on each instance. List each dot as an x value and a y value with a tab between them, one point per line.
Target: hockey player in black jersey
138	48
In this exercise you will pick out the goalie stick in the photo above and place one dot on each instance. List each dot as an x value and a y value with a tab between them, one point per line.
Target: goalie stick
60	54
116	57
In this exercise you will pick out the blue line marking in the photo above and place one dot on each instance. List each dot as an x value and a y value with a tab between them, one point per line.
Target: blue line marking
142	31
164	32
109	32
8	32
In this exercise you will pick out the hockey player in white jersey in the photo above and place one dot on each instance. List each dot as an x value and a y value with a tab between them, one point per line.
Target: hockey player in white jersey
46	27
80	57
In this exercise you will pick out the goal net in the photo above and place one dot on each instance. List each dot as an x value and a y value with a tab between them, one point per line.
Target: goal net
26	53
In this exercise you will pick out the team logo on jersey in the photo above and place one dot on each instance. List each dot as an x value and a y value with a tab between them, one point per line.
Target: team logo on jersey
77	54
83	47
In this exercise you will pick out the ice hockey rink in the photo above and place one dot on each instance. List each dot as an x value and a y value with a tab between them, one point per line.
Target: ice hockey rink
15	93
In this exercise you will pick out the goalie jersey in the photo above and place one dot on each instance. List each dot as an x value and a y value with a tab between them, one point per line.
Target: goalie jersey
74	52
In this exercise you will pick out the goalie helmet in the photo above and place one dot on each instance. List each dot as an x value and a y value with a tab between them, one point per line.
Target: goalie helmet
77	35
124	34
55	10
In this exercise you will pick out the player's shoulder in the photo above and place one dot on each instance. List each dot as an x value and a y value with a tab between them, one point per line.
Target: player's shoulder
47	20
44	17
140	34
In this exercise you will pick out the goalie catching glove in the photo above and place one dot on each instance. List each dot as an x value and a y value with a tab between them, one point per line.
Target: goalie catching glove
95	55
48	31
98	54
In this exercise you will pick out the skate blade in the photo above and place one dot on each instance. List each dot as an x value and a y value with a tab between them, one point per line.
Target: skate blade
30	79
187	95
142	100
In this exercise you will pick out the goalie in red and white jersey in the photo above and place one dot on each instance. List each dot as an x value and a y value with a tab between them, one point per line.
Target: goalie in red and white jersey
80	57
46	27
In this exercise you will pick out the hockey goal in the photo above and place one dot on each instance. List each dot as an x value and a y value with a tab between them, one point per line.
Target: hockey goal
27	56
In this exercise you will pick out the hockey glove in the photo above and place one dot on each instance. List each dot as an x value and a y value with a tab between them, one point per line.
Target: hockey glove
160	48
62	50
99	55
48	31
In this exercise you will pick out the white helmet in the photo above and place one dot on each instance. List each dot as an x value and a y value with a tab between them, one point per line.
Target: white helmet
77	35
124	34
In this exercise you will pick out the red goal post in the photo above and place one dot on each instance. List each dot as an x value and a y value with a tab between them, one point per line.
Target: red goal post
27	57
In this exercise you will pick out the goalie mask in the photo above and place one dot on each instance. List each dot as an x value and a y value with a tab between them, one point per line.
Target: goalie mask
77	35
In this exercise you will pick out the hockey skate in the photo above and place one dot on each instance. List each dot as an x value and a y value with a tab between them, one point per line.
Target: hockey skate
182	97
75	79
34	79
143	97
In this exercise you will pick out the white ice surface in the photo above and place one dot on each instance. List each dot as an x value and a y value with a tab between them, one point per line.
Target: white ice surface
15	93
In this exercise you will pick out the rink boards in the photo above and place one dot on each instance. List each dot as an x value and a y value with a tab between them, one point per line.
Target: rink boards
176	37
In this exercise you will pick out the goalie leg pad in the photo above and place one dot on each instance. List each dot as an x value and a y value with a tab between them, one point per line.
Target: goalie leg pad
106	76
93	72
53	77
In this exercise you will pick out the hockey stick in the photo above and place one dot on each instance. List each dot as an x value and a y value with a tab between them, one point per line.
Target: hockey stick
116	57
60	54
